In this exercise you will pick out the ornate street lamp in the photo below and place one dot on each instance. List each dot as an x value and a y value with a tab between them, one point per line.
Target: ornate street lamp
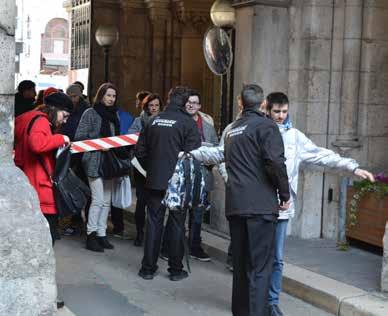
106	37
223	15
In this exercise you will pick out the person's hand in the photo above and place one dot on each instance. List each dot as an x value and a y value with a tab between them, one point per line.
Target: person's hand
66	139
285	205
364	174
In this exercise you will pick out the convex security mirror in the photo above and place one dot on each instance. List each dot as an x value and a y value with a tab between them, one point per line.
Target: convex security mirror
217	49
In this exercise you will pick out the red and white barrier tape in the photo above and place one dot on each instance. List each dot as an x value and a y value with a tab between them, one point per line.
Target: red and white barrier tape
104	143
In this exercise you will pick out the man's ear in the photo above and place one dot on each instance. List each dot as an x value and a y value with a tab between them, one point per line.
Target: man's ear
264	107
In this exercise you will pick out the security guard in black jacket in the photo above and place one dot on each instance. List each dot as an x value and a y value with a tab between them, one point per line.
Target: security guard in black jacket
256	190
157	150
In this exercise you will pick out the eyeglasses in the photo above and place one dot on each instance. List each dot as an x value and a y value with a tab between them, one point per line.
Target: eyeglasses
193	103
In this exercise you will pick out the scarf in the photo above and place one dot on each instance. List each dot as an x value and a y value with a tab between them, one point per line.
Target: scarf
108	115
286	125
144	118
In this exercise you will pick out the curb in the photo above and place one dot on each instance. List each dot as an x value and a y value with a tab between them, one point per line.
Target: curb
65	312
328	294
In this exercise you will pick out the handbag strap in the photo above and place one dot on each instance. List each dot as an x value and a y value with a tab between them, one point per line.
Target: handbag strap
39	157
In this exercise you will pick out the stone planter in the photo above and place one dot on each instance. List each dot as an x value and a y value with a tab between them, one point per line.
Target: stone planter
372	215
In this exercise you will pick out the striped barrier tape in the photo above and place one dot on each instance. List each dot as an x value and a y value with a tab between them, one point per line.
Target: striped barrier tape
104	143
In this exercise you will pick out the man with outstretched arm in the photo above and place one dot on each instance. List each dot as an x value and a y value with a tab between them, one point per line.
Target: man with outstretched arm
256	189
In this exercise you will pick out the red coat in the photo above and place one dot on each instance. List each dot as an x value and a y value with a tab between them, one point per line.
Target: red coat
40	141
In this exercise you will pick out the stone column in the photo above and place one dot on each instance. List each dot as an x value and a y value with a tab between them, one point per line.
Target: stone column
161	37
261	55
311	62
350	83
27	265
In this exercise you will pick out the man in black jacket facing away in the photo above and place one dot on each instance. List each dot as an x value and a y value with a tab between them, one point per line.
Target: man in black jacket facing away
25	97
257	181
157	150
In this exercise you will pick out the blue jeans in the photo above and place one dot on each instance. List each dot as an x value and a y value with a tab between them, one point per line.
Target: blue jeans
277	270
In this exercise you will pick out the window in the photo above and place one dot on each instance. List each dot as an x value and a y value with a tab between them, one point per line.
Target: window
80	34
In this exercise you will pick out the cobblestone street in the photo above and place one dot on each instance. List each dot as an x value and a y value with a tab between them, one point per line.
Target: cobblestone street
107	284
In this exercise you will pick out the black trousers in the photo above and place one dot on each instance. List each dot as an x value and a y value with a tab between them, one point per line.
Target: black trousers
194	238
117	217
154	232
141	201
253	254
52	220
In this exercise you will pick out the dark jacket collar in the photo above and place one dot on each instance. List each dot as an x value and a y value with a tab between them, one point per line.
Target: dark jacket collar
252	111
172	107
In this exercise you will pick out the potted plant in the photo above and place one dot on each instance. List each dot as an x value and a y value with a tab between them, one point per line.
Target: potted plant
367	210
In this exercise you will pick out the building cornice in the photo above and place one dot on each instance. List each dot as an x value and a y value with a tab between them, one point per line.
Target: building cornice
272	3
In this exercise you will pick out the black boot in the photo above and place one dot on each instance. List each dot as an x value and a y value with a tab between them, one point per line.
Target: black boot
104	243
60	304
92	243
139	239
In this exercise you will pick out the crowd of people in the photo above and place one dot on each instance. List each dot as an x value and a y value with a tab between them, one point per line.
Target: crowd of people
259	156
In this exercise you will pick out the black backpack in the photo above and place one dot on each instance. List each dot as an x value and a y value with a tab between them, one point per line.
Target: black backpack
70	192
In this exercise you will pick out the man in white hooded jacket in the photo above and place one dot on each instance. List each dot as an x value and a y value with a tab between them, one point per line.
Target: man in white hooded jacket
298	149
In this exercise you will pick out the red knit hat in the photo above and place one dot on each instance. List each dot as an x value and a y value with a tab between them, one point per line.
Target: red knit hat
48	91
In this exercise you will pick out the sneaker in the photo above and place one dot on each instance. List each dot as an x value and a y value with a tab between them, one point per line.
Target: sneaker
139	239
178	276
123	236
147	275
104	243
200	255
163	256
229	264
275	310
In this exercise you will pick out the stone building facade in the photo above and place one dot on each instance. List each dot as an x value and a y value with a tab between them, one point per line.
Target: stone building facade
160	46
331	57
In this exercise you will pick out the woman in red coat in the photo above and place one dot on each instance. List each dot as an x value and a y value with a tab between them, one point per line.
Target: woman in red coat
36	142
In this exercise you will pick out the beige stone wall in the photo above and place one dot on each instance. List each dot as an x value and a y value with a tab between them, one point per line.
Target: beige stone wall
334	69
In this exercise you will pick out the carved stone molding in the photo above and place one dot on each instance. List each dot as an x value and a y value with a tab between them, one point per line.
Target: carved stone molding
106	4
132	4
178	10
159	11
199	20
273	3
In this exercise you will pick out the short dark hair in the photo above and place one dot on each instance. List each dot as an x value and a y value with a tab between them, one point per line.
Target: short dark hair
252	95
178	96
276	98
142	94
149	98
80	84
195	93
102	90
26	85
